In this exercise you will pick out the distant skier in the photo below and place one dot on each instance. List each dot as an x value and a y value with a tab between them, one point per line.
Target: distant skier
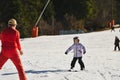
111	25
116	43
112	28
79	50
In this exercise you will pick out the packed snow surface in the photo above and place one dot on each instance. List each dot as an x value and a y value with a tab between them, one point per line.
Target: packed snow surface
44	58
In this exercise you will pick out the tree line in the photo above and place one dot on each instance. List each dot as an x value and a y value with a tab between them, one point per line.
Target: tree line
86	15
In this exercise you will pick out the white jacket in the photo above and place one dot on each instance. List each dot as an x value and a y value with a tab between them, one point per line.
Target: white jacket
78	49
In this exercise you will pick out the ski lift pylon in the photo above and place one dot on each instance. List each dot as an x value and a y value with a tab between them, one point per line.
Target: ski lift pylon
35	28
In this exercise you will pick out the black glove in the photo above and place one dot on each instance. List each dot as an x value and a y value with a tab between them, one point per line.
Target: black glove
84	52
66	53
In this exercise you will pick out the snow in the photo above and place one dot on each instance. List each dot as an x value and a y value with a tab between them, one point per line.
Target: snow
44	58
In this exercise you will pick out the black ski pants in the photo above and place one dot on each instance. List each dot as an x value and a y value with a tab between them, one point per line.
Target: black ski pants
79	61
116	47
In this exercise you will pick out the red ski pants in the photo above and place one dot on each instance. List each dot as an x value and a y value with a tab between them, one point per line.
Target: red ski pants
17	62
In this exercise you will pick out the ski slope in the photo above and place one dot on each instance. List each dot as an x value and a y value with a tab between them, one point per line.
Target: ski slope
44	58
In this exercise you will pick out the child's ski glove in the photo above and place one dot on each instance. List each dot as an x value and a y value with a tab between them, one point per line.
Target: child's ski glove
84	52
66	53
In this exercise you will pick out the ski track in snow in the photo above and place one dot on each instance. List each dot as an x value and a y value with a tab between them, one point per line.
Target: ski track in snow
44	58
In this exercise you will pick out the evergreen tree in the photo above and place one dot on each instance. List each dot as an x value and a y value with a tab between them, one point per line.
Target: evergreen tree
80	9
70	14
25	12
117	11
27	15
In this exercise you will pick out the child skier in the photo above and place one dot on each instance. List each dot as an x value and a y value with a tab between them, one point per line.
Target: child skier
79	50
116	43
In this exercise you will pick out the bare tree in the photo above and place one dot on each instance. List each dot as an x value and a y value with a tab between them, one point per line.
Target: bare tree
105	10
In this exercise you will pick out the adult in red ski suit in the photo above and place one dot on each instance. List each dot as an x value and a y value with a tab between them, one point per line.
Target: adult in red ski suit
11	48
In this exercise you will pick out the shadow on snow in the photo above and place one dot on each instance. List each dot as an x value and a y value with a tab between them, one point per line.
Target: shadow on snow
37	72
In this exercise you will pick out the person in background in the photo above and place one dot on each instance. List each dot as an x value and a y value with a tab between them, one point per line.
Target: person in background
116	43
11	48
79	50
112	28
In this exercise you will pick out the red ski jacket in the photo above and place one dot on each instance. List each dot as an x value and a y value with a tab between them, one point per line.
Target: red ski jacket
10	41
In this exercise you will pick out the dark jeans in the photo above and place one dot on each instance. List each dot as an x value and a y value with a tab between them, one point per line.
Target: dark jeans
82	66
116	47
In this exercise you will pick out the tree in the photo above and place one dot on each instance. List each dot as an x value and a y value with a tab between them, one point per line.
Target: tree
117	11
27	15
75	10
25	12
104	13
60	14
8	11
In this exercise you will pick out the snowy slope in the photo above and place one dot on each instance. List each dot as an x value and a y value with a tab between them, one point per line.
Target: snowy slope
44	58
